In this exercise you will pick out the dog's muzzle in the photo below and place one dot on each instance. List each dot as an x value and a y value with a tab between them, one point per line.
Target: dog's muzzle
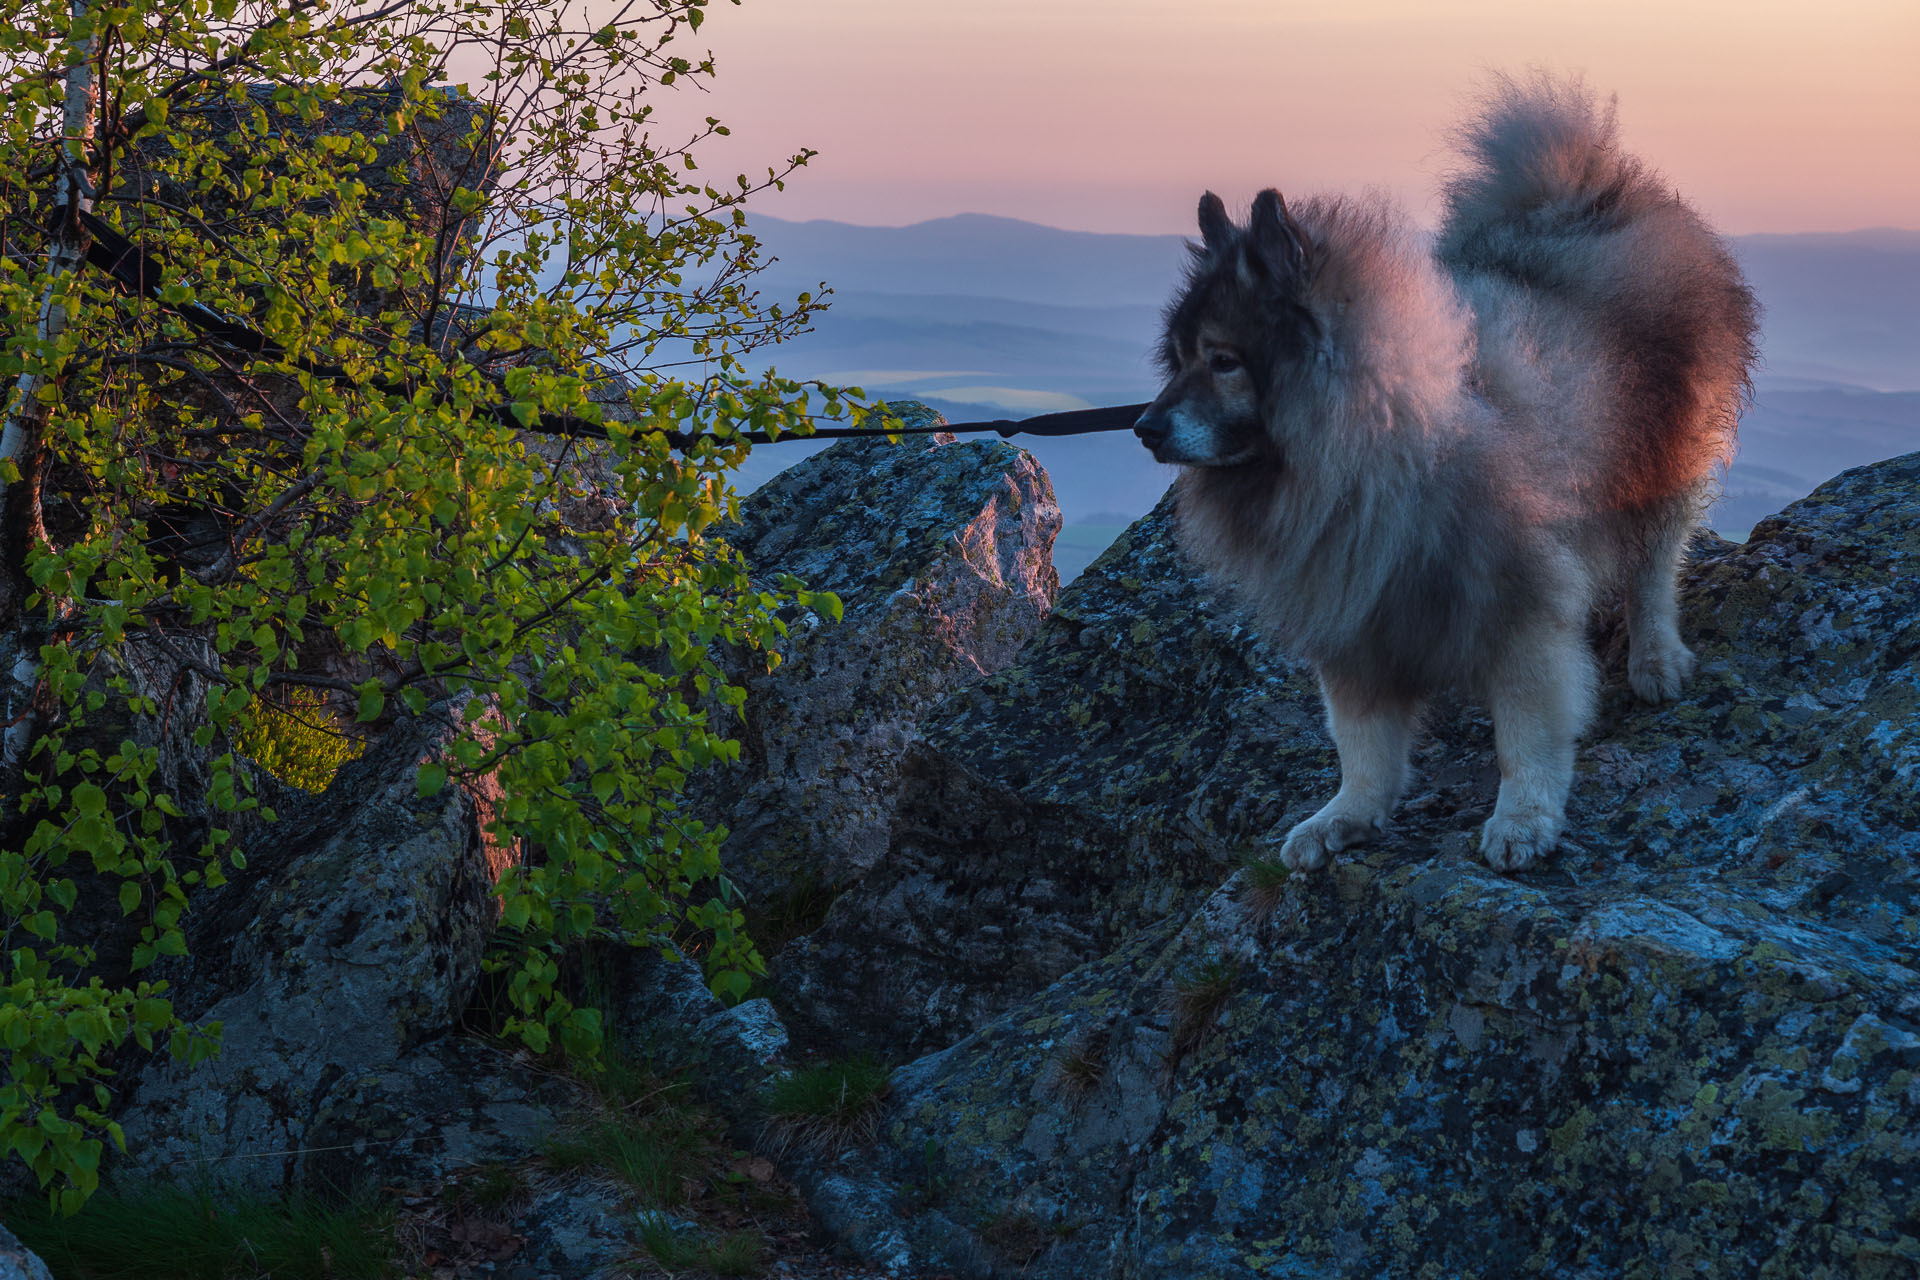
1153	428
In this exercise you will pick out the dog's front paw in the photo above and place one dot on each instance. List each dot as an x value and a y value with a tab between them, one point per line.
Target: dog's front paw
1657	670
1512	841
1310	844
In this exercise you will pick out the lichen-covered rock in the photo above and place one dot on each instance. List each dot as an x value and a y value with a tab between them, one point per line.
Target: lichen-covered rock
1105	779
942	555
670	1018
355	936
17	1262
1688	1044
583	1231
451	1104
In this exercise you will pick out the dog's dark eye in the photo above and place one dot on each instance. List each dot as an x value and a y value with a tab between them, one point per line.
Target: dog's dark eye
1223	362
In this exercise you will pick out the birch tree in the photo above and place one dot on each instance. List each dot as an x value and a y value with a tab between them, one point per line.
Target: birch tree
293	290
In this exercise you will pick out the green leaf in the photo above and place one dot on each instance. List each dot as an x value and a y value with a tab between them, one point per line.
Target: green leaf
432	777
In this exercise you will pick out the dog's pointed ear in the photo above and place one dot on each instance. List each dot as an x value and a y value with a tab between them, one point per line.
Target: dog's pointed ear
1216	230
1277	238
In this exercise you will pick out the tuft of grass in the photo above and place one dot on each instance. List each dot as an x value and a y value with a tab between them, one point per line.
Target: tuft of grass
489	1189
828	1108
1080	1067
1197	1001
161	1232
1266	882
666	1158
680	1248
737	1253
795	912
667	1244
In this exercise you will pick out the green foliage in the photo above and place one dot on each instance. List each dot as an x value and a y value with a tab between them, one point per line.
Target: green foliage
343	523
828	1107
299	742
165	1233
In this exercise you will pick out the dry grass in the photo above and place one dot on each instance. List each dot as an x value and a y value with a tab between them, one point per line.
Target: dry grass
1266	884
1196	1004
828	1108
1080	1067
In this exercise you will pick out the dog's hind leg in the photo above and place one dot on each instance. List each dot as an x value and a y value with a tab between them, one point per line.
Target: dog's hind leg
1542	695
1373	739
1658	661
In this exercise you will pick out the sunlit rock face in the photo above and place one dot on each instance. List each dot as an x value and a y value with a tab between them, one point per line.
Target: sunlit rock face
1687	1044
942	555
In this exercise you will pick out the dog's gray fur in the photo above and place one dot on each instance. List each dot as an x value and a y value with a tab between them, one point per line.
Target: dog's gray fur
1425	464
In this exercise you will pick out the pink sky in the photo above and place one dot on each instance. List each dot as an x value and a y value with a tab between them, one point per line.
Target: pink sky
1113	115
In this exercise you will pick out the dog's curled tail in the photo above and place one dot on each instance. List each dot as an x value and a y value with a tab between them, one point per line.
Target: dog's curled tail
1539	159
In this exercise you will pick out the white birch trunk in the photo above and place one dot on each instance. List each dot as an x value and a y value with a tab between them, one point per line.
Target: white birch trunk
26	415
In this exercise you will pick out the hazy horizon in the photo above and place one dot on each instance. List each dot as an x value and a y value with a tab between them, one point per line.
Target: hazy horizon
984	316
1838	232
1112	116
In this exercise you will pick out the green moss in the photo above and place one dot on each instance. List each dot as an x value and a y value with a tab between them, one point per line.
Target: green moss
301	740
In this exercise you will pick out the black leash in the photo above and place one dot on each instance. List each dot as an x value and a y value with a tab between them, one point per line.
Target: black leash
139	273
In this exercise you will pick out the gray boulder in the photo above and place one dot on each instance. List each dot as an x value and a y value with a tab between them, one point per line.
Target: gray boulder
17	1262
353	942
1688	1044
942	555
1109	777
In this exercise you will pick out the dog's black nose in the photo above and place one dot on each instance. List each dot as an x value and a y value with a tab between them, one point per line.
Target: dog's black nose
1153	428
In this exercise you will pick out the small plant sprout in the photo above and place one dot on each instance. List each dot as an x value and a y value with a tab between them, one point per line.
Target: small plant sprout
1080	1066
1266	881
1197	1002
828	1108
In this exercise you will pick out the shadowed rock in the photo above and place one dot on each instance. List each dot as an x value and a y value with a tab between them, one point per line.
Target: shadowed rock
1687	1043
349	948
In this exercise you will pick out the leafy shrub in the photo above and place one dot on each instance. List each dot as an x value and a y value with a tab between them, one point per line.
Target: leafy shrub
466	466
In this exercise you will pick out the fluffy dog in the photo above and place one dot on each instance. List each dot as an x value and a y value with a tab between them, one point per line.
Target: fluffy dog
1425	463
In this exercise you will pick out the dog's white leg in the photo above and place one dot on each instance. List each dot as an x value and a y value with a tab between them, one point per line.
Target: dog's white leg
1373	740
1658	661
1542	695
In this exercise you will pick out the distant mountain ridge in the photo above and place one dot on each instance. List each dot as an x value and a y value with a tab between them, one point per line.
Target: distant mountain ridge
976	255
985	316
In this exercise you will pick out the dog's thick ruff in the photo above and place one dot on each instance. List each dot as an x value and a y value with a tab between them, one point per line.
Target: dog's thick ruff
1425	463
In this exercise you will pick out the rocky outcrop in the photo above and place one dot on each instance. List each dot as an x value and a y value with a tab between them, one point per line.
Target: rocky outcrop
1686	1045
17	1262
941	554
1101	782
336	967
